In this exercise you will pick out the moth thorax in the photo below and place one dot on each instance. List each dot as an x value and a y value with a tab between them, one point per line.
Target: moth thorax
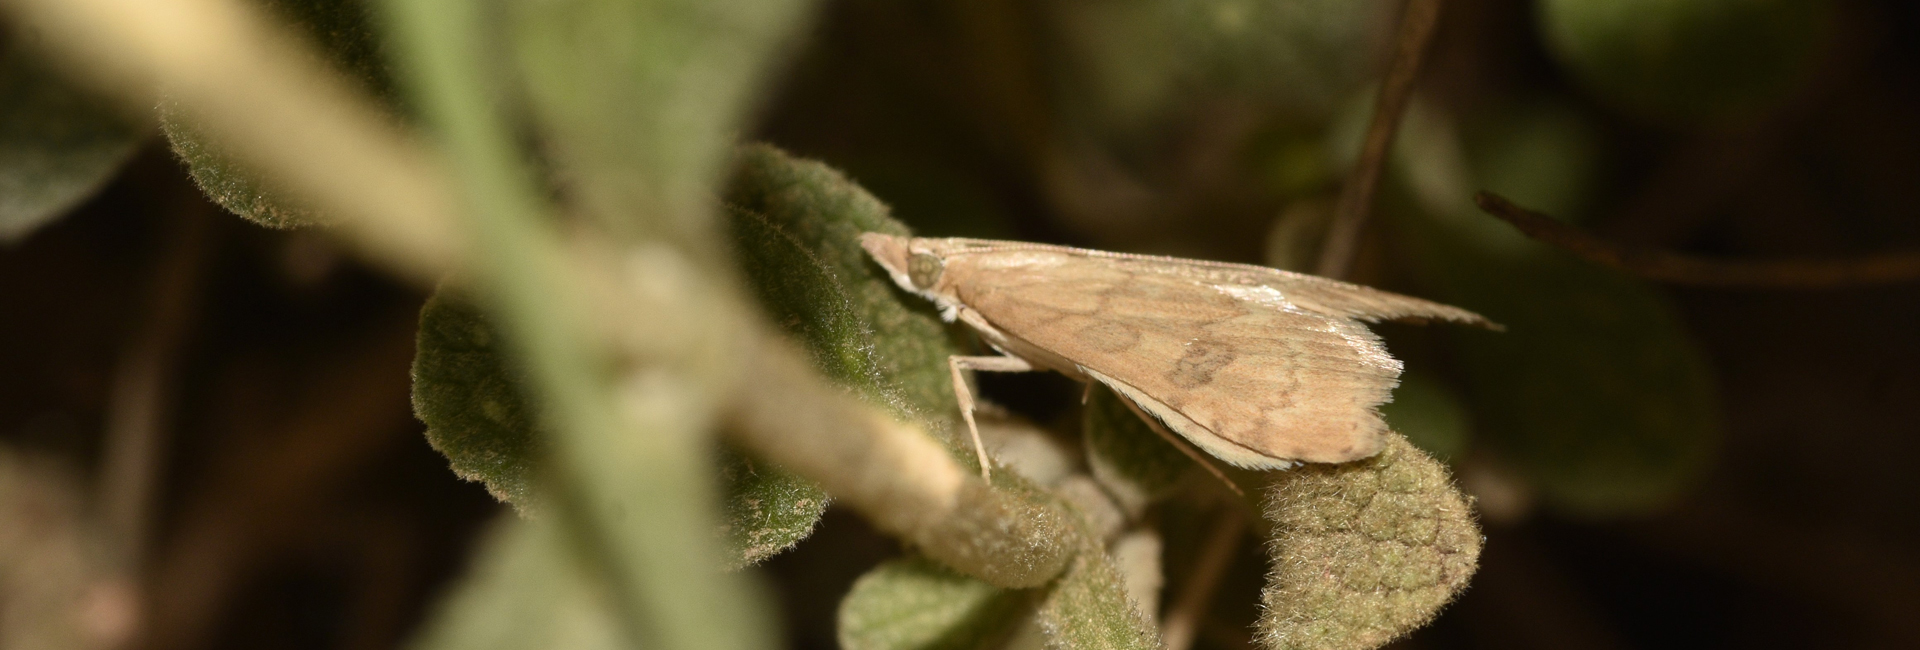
924	270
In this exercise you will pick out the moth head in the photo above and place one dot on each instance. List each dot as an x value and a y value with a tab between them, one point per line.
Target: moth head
912	265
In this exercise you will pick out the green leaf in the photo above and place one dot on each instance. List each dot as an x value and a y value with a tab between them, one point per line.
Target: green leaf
1429	415
345	35
819	209
1136	60
768	508
1698	61
1595	390
473	402
804	296
58	144
1135	464
1088	608
641	102
525	589
1363	552
916	604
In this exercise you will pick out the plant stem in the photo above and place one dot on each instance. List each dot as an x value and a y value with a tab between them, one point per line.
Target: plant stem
633	491
1417	23
1666	266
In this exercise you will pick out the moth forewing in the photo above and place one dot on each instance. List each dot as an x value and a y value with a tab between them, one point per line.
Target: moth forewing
1256	366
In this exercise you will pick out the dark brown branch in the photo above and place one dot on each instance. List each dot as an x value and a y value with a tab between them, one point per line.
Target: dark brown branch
1666	266
1356	197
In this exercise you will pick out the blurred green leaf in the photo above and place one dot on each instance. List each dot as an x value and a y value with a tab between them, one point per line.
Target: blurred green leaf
1135	61
344	34
1429	415
58	143
525	589
1691	61
642	101
916	604
1595	389
1132	462
1363	552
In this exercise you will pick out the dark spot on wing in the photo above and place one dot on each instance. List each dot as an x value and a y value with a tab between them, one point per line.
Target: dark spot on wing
1196	367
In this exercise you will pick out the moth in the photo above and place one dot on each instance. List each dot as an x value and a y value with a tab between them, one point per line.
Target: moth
1258	367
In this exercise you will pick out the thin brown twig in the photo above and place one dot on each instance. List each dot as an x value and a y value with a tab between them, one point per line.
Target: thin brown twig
142	401
1183	619
1417	23
1667	266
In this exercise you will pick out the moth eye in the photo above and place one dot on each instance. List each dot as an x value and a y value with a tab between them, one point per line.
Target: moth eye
924	269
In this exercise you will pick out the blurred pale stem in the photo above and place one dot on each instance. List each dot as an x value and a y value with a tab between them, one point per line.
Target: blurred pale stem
282	112
1417	22
252	88
664	573
905	482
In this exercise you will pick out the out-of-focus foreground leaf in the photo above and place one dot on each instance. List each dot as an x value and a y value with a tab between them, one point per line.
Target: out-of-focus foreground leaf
344	34
916	604
525	589
58	143
1595	390
1364	552
1698	61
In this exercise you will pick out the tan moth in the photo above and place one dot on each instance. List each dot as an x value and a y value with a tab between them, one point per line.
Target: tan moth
1258	367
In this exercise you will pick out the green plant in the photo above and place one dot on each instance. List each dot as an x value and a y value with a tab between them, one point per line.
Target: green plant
647	336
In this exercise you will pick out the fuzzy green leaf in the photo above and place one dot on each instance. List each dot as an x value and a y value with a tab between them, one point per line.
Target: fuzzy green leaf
473	401
525	590
1088	608
807	298
1364	552
1129	459
768	508
346	37
58	144
823	211
916	604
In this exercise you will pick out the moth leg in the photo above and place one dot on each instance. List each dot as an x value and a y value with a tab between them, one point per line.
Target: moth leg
1182	445
965	395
